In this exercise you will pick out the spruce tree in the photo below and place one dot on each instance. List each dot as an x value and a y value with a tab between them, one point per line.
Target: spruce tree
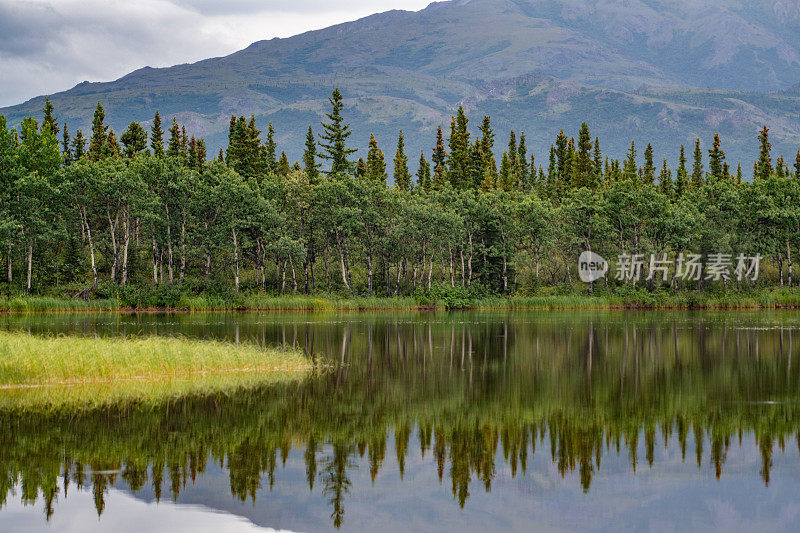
361	168
598	161
649	166
284	168
682	177
506	174
134	139
310	164
513	163
99	134
561	156
423	173
111	146
524	169
49	119
630	168
201	155
489	172
184	144
716	162
439	158
797	166
376	163
763	167
402	177
191	157
552	172
583	164
157	136
459	144
335	134
739	174
175	140
697	166
78	146
66	147
271	150
665	180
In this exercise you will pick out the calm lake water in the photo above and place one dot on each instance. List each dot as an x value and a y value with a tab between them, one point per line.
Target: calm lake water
447	421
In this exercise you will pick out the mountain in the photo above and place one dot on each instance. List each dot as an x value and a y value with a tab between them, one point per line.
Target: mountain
649	70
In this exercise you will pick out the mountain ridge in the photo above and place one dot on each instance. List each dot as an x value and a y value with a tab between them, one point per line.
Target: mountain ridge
633	73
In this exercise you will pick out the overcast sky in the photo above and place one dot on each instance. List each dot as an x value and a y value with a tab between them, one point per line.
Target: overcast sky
50	45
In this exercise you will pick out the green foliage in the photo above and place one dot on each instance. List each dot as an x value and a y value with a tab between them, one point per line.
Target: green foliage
158	231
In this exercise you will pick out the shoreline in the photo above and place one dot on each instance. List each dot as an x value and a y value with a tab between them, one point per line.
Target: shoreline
782	299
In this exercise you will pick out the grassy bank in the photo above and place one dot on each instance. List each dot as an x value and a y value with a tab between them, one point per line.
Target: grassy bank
90	371
438	298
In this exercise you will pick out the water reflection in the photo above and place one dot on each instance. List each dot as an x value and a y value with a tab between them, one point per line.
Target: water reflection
474	392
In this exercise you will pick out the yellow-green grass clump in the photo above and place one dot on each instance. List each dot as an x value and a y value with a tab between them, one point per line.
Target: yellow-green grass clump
37	371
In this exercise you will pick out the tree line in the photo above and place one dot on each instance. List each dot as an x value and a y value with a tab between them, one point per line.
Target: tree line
150	208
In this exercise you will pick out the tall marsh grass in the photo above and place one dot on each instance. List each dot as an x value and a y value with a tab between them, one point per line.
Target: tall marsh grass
27	359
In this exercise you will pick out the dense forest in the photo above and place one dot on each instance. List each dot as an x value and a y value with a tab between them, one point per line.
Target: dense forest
86	215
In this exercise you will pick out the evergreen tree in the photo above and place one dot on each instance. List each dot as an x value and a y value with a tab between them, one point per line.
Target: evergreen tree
111	146
439	158
175	140
423	173
630	168
66	147
402	177
584	170
157	136
797	166
739	174
717	160
184	144
763	167
598	161
779	166
376	164
513	177
78	146
561	157
97	143
649	166
335	134
697	166
489	170
459	144
552	172
134	139
271	150
665	180
506	175
682	178
524	169
191	158
201	155
284	168
49	119
310	164
361	168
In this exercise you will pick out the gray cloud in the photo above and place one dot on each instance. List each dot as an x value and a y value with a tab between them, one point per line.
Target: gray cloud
51	45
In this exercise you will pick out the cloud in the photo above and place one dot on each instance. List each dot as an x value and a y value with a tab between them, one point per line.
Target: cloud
49	46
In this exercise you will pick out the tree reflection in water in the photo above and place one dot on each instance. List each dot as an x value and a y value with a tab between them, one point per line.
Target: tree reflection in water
462	388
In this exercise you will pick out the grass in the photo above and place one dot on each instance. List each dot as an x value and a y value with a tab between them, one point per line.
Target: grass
446	298
92	371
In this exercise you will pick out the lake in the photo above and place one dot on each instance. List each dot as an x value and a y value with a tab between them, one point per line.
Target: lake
468	421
